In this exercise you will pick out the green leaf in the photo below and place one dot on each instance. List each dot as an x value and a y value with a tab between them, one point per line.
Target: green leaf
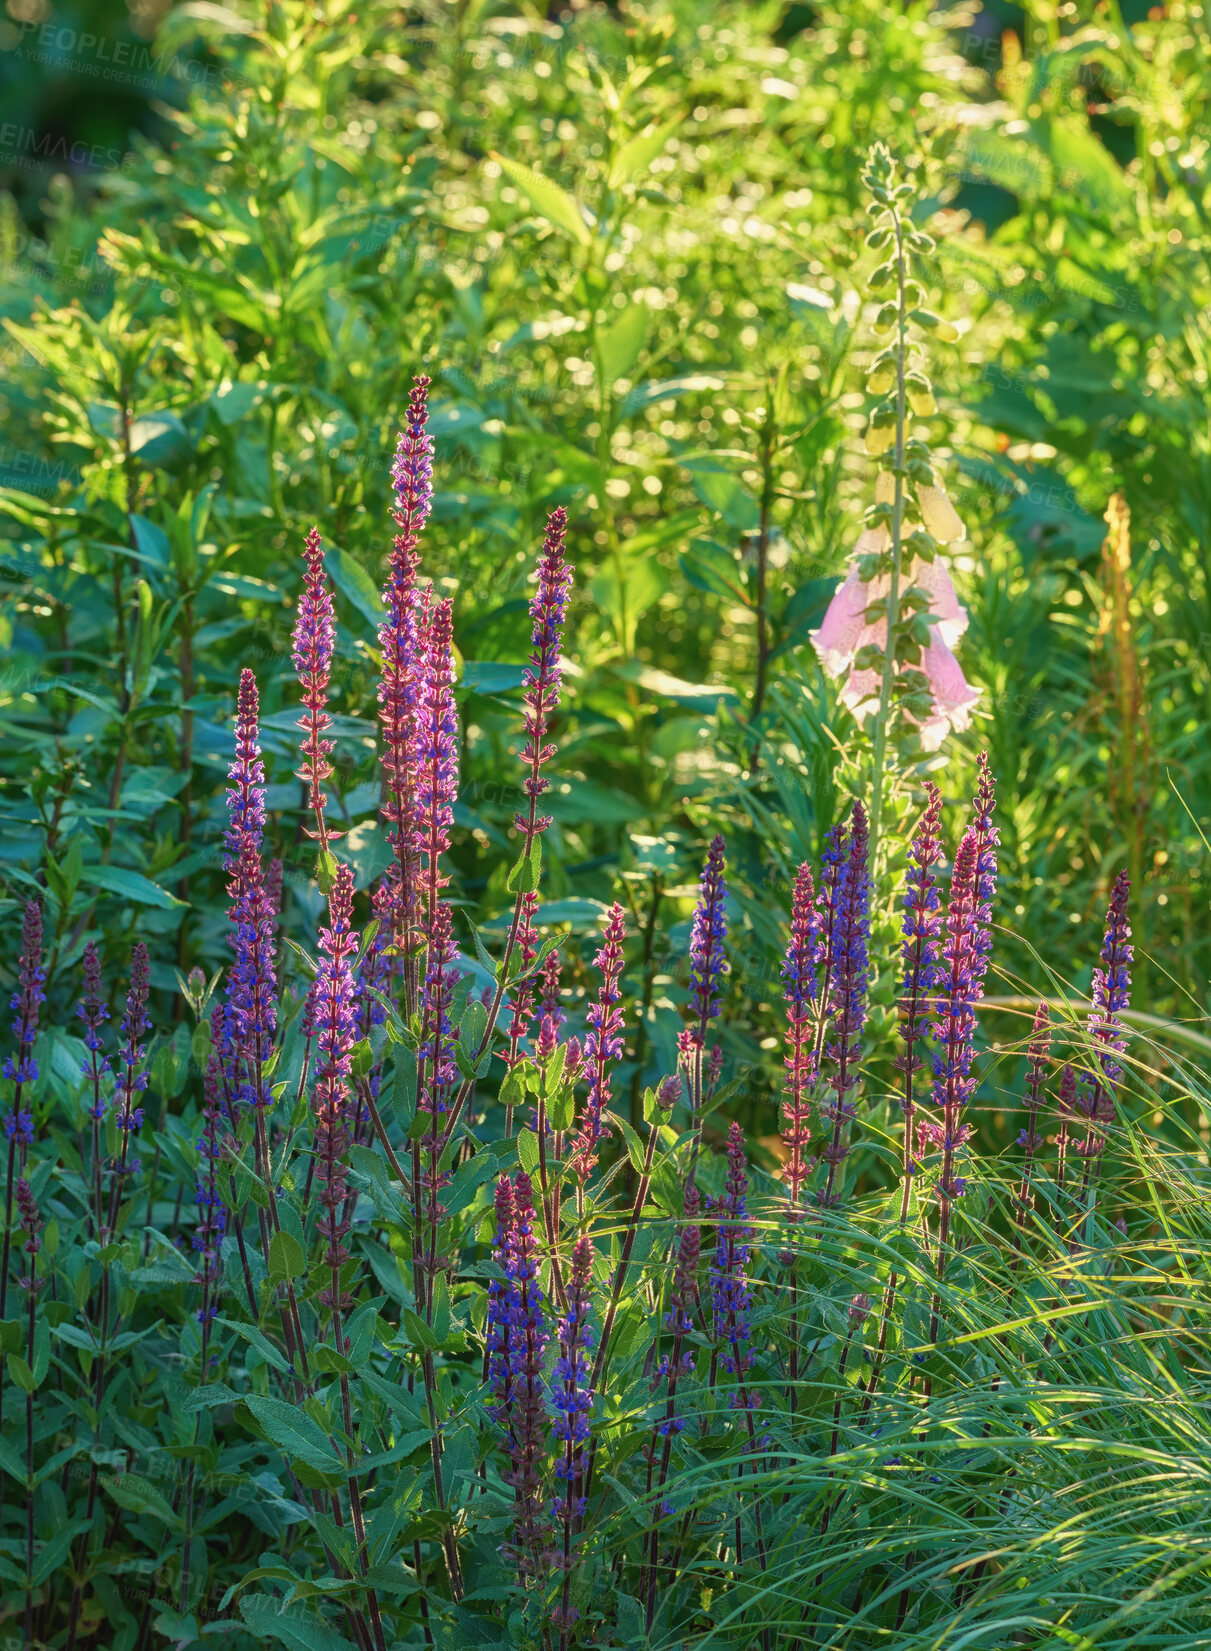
527	1150
635	1150
21	1373
268	1620
547	198
561	1108
139	1495
354	584
619	346
287	1258
131	885
403	1087
263	1345
527	873
295	1434
418	1332
637	153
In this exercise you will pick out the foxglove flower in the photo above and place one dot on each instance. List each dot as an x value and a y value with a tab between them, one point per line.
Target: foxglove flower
799	992
543	675
336	1031
252	983
856	622
850	977
731	1298
22	1068
602	1046
314	634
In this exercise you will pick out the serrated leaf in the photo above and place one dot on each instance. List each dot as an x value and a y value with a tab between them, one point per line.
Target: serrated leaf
287	1258
527	1150
295	1434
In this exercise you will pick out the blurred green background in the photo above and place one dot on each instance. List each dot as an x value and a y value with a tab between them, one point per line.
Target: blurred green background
626	242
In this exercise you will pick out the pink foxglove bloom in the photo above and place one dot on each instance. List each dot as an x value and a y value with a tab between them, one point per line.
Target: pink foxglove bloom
847	630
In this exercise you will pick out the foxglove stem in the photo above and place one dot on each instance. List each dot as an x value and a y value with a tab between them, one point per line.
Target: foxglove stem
314	635
896	529
1037	1060
850	979
22	1068
602	1049
708	965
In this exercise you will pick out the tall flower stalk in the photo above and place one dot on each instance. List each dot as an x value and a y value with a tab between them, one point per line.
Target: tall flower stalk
708	965
314	635
891	624
22	1068
92	1011
961	973
850	978
602	1051
336	1022
1038	1058
680	1319
1099	1080
572	1403
543	678
799	992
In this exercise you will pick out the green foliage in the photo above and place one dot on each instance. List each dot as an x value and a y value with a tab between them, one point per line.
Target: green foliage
628	247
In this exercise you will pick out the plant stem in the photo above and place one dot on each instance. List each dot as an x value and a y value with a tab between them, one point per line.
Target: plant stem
879	754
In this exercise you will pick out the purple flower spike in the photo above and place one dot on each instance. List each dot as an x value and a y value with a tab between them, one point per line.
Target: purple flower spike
336	1032
542	678
602	1046
252	983
314	634
731	1298
22	1068
850	977
412	480
29	1219
920	951
434	758
800	986
1111	995
94	1012
708	935
517	1341
961	984
571	1394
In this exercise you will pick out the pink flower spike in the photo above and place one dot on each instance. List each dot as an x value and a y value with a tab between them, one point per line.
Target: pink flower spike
314	634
